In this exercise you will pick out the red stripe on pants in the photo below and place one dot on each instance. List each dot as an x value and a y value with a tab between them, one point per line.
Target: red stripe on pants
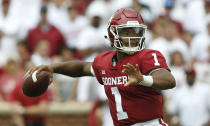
161	122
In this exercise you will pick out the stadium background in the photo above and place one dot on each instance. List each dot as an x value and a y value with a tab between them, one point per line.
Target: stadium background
35	32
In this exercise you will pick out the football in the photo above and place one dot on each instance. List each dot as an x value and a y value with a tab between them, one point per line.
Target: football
35	84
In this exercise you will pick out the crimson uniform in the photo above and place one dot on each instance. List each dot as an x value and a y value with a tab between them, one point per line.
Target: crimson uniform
131	104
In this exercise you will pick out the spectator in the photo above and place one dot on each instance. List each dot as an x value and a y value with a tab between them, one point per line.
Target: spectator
191	102
157	28
10	77
200	45
203	72
102	7
194	18
151	9
176	66
44	30
66	86
200	50
159	42
76	24
145	9
57	10
88	43
28	14
23	53
41	53
170	40
66	54
80	5
187	37
9	26
171	12
34	109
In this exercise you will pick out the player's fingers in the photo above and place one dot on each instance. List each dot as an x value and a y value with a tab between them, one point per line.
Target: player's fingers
31	70
137	67
51	80
51	76
26	75
39	69
44	68
131	67
127	67
127	71
49	70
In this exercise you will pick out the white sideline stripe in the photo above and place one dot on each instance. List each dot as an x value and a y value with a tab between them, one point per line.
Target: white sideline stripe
34	76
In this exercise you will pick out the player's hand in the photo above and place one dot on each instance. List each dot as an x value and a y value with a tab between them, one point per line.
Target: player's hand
39	69
134	74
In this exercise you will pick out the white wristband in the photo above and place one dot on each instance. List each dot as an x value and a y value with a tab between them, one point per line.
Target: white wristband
147	81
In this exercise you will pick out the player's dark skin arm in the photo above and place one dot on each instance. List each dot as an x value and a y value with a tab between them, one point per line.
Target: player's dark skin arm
163	79
74	68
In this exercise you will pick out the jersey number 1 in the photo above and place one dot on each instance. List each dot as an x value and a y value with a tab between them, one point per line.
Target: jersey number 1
120	114
156	60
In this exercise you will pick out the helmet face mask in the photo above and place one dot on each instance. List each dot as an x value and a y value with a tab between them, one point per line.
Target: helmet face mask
128	39
127	34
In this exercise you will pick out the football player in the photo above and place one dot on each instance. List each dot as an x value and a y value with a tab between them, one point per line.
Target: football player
132	76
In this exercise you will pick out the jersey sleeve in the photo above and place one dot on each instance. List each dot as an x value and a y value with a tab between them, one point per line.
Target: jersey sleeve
96	69
153	60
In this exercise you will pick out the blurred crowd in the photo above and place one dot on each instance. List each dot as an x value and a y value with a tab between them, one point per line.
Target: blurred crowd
41	32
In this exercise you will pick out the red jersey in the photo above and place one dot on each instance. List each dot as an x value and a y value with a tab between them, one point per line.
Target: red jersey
18	96
8	83
131	104
54	37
